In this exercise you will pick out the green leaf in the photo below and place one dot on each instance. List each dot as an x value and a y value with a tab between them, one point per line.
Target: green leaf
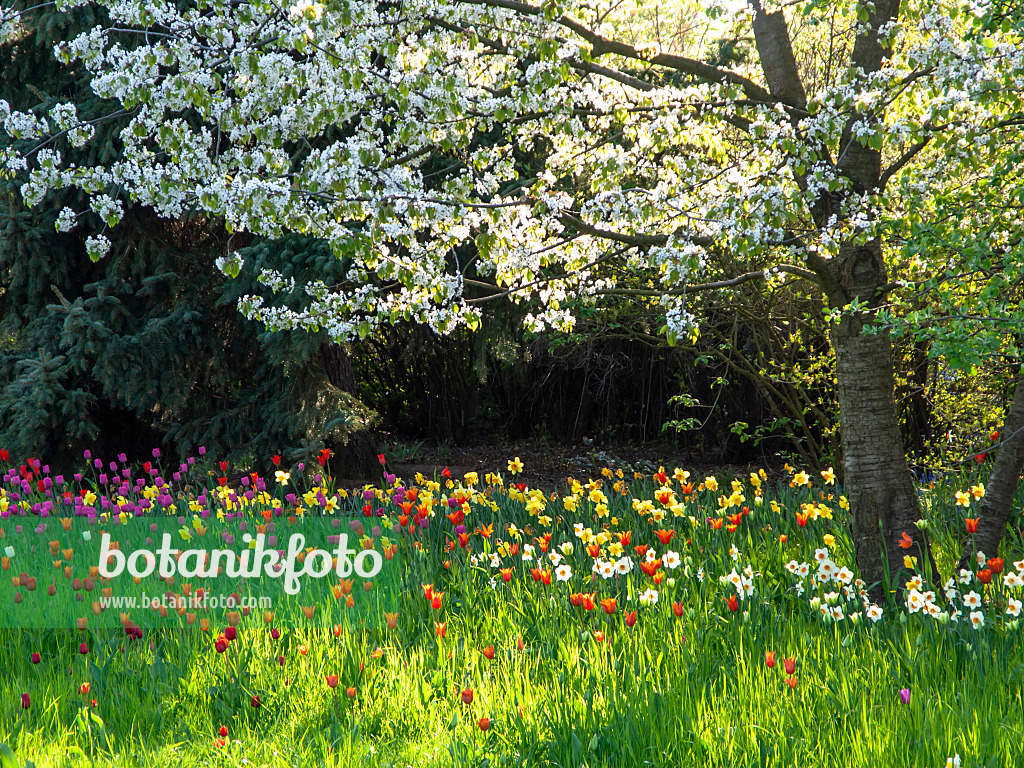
7	758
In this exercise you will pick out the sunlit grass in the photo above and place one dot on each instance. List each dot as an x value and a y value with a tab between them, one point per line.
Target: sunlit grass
687	684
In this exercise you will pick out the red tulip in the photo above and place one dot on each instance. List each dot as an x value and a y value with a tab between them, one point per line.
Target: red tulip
332	681
230	633
441	628
467	696
254	702
83	688
83	649
484	723
996	565
733	602
985	576
350	692
520	644
276	459
223	731
972	524
677	609
36	658
790	665
381	459
630	618
25	701
488	652
769	659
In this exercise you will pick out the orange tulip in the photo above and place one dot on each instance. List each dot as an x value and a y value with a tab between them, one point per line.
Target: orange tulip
769	659
905	541
972	525
608	604
996	565
441	628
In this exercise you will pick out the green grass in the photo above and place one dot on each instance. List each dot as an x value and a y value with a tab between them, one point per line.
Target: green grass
671	691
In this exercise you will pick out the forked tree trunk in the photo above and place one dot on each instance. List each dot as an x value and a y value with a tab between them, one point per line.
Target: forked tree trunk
357	456
997	503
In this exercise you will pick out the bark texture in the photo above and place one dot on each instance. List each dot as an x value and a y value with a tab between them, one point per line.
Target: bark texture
876	477
357	456
878	484
997	503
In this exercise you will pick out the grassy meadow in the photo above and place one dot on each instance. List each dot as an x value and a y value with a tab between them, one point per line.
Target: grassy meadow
621	620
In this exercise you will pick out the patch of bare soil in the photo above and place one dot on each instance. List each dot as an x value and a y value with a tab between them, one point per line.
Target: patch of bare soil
545	465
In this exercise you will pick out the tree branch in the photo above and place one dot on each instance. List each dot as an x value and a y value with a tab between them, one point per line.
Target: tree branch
601	45
900	162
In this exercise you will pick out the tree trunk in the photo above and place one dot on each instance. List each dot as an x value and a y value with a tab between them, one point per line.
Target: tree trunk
357	456
997	503
883	502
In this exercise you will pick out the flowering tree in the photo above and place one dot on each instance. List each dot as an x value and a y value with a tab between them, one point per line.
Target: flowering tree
465	151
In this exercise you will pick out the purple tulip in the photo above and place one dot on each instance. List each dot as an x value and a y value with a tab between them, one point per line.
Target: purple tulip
905	695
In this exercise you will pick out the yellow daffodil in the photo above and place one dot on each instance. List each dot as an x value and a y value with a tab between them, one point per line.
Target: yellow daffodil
515	466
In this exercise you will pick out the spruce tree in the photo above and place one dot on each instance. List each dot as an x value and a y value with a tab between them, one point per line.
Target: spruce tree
147	348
